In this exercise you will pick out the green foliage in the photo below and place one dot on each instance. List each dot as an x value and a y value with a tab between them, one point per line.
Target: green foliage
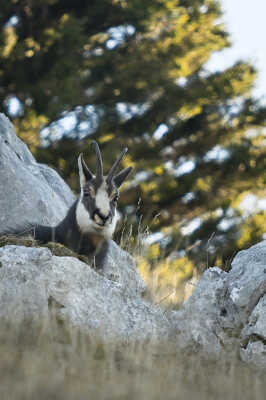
125	69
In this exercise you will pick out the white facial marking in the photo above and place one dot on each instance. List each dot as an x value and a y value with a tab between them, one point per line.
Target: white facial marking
83	219
86	225
102	200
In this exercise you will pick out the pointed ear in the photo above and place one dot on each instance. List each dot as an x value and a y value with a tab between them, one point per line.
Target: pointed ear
84	172
120	178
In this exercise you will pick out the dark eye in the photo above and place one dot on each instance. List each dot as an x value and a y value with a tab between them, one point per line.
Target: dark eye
86	194
115	198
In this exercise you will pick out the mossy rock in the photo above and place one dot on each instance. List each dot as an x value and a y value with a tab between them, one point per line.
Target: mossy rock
26	241
60	250
57	249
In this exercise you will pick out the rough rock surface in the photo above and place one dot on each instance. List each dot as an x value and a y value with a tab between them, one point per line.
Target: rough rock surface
32	278
227	310
30	192
119	266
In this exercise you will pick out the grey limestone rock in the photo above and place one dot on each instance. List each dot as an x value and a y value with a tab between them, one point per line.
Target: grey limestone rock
124	271
253	348
30	192
31	277
227	310
198	324
108	300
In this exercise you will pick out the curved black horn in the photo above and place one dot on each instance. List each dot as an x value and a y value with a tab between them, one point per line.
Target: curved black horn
84	173
99	169
114	167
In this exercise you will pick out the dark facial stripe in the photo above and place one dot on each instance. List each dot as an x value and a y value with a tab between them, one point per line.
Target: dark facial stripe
90	205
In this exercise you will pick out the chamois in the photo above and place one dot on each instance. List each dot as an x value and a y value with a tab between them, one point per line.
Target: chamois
92	219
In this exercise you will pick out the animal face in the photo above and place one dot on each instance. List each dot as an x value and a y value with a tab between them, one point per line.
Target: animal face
96	210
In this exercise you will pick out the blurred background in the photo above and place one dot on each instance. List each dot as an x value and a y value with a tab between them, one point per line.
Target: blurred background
165	78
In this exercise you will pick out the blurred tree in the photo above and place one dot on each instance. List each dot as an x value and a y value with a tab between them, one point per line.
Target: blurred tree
134	73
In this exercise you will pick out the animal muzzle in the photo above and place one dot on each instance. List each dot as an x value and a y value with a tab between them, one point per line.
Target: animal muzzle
101	219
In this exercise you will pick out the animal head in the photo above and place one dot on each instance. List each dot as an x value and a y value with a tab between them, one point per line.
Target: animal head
96	209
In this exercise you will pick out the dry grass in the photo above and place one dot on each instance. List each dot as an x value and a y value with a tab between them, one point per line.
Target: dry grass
54	361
